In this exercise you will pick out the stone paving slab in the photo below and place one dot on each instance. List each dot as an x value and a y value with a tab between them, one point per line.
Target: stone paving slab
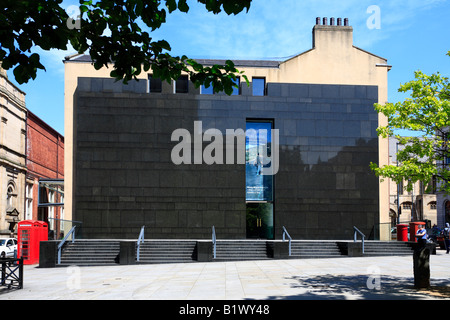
366	278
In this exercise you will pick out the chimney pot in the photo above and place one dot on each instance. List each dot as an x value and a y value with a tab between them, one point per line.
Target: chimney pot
346	22
318	21
331	21
325	21
339	21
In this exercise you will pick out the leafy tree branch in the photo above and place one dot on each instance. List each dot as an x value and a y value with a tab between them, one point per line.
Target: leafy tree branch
116	33
426	155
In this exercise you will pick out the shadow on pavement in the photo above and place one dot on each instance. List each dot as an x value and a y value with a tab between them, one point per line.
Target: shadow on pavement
365	287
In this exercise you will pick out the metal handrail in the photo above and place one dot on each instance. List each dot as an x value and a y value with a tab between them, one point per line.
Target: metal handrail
290	239
139	241
214	241
355	236
60	245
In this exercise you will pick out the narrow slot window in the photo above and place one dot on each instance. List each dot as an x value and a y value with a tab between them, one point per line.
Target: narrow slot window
237	91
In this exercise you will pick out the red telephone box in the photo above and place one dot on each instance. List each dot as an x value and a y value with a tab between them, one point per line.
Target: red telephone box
29	235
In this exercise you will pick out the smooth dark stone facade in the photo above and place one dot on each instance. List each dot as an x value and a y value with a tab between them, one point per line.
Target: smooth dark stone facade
124	176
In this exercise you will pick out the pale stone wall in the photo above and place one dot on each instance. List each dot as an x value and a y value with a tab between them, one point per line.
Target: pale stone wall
12	156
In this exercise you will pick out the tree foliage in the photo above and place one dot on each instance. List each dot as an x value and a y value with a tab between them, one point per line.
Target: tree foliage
116	32
424	155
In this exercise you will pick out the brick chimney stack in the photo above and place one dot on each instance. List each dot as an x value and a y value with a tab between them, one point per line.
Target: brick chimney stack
332	20
335	32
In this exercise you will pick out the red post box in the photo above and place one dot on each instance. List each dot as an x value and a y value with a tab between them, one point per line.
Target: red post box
29	235
413	227
402	232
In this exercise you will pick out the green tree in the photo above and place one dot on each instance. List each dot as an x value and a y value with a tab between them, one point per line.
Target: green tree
113	31
426	154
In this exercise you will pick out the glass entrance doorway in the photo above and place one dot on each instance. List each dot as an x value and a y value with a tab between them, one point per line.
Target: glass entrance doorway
259	186
260	220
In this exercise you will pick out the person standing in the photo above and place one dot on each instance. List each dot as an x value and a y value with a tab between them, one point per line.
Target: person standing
445	233
421	235
435	232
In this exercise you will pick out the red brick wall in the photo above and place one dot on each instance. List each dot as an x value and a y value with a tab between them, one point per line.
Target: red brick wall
45	155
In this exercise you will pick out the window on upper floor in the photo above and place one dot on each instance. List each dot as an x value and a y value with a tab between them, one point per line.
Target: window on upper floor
29	201
154	84
182	84
204	90
400	187
407	205
259	86
236	90
10	195
430	188
446	148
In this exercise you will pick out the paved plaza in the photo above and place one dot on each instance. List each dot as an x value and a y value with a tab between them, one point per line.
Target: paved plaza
366	278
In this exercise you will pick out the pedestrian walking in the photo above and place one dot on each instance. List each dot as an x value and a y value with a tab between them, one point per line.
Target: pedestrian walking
445	233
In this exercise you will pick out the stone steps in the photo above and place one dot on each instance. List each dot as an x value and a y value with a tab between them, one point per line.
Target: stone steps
106	252
387	248
90	253
311	250
240	250
156	251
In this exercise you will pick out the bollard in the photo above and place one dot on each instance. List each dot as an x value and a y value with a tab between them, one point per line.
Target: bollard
204	251
127	255
421	259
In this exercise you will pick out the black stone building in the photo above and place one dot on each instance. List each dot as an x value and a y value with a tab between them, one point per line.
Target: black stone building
124	176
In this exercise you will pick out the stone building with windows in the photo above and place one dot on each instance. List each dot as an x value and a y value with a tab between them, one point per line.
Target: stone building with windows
443	199
45	173
30	150
120	172
12	155
419	204
443	208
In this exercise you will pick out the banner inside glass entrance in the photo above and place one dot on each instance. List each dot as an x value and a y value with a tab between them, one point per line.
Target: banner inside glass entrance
259	187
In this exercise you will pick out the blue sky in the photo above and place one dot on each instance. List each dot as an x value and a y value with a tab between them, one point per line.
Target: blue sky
413	35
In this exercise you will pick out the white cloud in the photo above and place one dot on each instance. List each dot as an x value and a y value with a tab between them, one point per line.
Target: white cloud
271	29
281	28
53	59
